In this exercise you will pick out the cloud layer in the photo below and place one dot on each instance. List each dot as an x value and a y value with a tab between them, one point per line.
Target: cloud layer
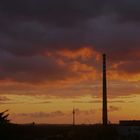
51	41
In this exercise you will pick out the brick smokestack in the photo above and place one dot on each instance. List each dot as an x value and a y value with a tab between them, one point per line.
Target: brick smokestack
104	115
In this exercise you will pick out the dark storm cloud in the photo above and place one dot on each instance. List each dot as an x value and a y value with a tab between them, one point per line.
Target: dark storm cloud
29	38
32	69
22	21
30	28
128	10
53	11
65	11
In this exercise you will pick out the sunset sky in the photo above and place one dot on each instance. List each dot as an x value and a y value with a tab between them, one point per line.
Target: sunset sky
51	59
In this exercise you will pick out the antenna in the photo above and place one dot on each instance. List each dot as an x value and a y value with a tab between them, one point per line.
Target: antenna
73	117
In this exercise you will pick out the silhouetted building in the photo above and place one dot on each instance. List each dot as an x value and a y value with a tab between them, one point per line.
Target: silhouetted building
130	122
104	115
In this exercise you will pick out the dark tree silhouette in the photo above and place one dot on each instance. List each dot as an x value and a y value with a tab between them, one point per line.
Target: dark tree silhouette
4	118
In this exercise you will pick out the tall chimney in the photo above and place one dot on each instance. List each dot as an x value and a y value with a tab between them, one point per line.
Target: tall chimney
105	117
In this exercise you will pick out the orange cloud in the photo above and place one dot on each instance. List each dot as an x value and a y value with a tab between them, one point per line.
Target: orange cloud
83	53
86	52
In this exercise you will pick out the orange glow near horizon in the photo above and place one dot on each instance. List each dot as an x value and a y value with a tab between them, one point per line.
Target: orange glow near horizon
52	100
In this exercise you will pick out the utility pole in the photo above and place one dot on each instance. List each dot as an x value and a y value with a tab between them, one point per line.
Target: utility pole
73	117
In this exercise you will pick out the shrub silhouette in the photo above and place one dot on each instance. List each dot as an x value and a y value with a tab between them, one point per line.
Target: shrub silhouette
4	118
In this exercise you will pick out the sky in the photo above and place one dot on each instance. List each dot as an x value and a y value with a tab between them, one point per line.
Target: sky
51	60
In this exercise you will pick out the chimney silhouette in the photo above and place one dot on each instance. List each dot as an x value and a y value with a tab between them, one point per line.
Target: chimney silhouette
104	115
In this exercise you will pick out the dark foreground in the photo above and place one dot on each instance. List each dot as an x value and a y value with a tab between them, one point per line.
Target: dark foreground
60	132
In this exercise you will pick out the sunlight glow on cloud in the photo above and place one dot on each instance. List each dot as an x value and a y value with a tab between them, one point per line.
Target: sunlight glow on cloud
53	50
